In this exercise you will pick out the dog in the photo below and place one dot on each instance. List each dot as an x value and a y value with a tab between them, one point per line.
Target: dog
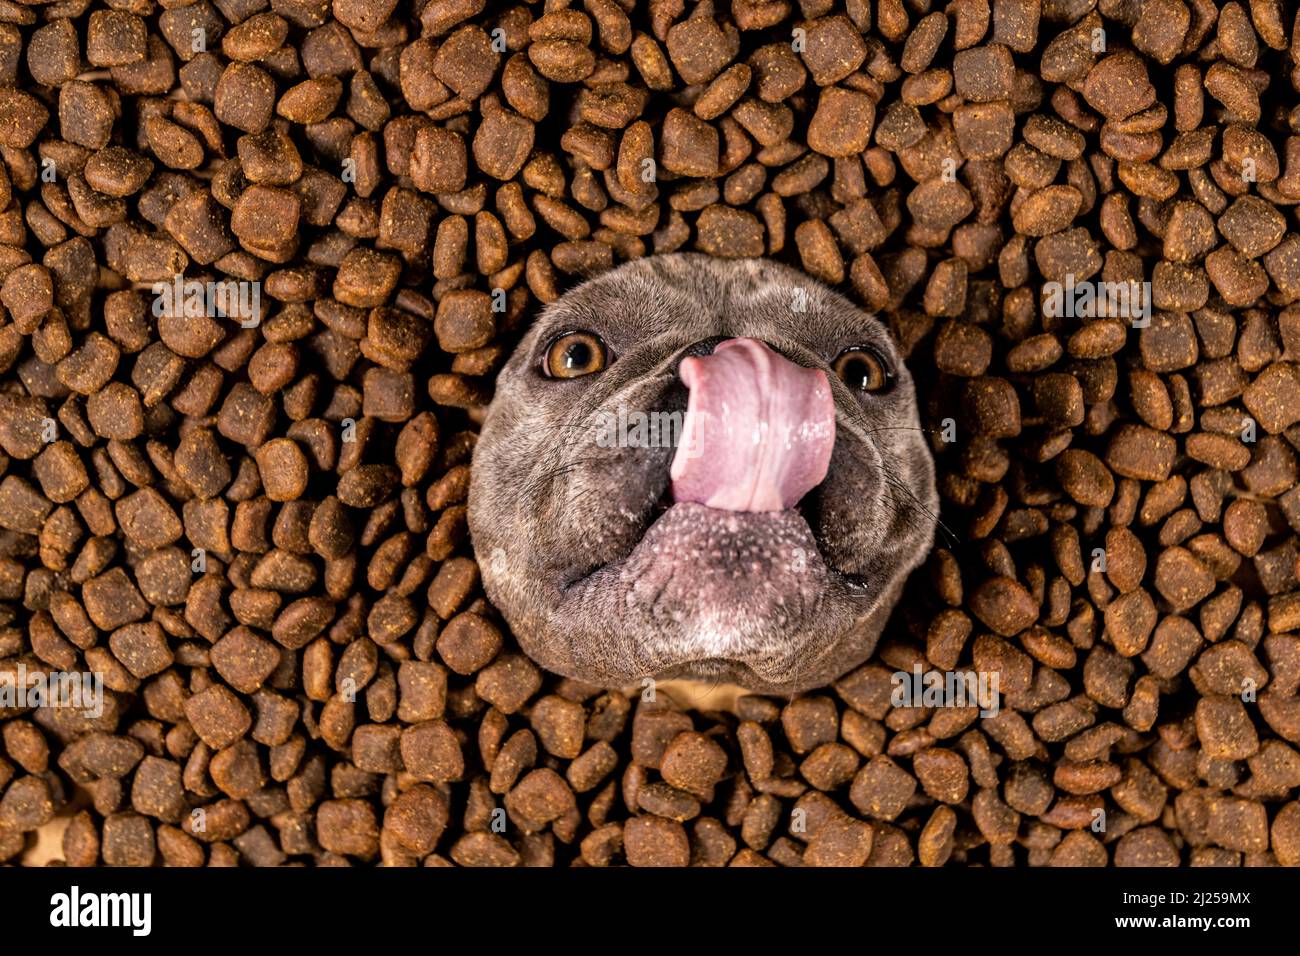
701	468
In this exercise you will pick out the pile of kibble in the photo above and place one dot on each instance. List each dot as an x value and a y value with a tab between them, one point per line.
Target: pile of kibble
255	532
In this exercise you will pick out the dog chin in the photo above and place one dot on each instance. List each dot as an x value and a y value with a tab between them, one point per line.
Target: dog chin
740	597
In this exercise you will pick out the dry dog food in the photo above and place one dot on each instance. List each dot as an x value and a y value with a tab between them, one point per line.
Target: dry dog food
260	259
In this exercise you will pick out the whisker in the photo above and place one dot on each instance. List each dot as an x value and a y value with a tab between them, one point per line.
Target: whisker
559	471
895	482
900	428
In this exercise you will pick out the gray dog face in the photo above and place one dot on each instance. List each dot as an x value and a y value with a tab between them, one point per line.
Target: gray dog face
701	468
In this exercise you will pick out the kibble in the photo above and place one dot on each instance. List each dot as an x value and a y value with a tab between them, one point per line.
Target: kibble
256	530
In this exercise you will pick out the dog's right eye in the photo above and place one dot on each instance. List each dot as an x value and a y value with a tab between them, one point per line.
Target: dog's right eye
575	354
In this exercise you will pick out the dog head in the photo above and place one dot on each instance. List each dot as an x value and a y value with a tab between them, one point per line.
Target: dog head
701	468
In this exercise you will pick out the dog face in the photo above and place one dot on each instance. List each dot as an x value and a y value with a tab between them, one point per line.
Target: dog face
701	468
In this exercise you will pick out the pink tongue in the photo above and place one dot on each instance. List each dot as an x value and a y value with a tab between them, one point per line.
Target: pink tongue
759	429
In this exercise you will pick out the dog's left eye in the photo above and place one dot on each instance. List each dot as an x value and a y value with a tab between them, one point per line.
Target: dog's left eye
575	354
863	368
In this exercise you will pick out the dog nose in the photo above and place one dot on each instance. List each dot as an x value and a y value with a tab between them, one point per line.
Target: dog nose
697	350
708	346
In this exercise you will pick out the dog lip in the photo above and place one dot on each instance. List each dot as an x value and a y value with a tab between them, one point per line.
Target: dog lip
664	507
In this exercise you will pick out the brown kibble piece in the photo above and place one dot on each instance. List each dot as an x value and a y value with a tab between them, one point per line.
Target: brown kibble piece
655	841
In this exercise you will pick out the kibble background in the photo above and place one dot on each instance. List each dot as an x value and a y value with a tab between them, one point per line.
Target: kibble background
332	687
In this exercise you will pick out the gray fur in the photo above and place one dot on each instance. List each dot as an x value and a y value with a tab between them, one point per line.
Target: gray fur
556	519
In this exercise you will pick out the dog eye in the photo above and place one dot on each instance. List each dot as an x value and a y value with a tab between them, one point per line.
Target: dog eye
863	368
575	354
